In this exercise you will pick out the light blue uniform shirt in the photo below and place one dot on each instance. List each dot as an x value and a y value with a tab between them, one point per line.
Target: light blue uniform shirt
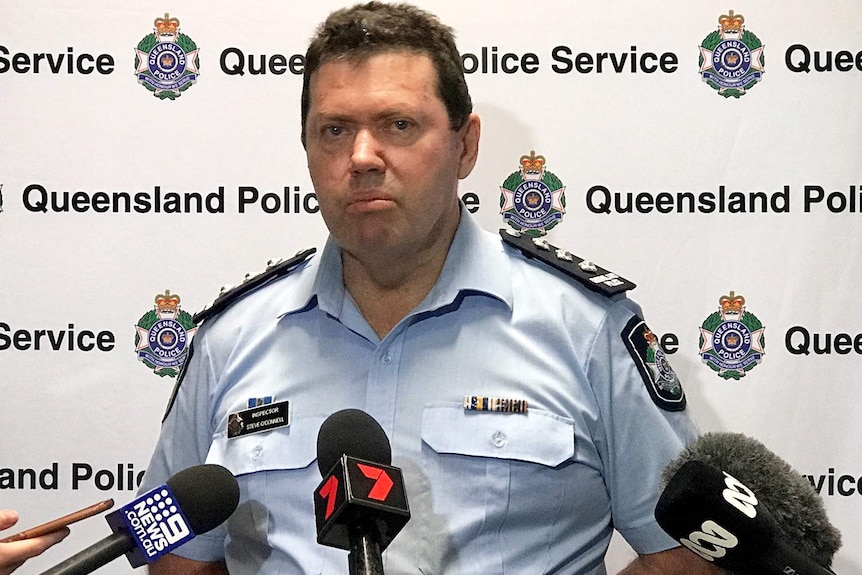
489	493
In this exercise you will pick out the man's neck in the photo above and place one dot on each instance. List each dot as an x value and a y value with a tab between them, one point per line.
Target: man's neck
386	287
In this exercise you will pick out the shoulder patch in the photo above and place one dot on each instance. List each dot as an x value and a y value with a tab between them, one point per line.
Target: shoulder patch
230	294
658	376
589	274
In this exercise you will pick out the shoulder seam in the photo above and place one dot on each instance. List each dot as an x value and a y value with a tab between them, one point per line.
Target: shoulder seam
229	295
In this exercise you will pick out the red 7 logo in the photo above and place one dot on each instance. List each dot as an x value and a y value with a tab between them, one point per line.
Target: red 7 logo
382	485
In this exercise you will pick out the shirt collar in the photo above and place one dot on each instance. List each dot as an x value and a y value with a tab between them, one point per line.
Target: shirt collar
476	263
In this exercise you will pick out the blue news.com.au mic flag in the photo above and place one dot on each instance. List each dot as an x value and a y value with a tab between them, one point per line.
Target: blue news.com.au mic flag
191	502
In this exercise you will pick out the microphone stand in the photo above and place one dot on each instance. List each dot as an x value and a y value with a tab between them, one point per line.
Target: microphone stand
365	557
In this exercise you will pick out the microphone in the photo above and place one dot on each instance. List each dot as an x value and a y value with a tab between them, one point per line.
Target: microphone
191	502
361	504
736	504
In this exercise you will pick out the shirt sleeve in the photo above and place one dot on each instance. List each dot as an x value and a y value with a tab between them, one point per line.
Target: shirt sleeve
185	439
640	432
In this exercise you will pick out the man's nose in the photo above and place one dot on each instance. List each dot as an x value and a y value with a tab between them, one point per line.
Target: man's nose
367	152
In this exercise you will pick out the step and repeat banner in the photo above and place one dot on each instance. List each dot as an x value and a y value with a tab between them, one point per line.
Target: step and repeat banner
709	152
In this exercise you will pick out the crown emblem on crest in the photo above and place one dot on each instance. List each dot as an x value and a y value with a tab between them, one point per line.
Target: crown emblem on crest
167	303
650	337
731	304
532	166
167	27
731	23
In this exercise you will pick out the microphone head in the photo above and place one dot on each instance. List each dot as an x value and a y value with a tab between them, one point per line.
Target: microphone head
796	508
351	432
207	494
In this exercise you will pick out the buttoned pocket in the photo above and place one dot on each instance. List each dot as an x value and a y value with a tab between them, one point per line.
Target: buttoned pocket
276	471
533	437
490	473
291	447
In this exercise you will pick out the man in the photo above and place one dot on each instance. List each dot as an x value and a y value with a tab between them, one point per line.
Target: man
14	553
410	309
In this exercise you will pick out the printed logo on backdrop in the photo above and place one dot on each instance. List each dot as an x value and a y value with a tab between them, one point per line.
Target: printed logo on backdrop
731	339
532	199
731	58
1	198
166	61
163	335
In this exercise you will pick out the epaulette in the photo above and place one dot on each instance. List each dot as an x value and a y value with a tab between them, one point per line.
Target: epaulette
229	294
592	276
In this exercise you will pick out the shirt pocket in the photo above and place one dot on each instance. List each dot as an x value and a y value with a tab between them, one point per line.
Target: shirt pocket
534	437
489	470
277	478
286	448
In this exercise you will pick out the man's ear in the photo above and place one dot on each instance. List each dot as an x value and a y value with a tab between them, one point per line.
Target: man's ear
469	134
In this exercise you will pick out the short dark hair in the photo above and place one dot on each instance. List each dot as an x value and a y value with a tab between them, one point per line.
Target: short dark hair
364	30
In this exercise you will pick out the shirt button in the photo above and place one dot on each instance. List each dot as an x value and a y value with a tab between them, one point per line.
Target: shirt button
499	439
386	359
255	453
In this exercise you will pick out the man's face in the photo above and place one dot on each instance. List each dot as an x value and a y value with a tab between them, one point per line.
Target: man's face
383	158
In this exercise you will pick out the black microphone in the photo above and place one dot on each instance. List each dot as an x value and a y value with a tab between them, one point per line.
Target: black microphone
361	504
736	504
191	502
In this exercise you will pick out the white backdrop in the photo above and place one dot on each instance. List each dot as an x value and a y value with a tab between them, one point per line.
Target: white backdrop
85	415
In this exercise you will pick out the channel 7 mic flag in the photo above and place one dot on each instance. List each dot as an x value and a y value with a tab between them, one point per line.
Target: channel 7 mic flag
357	491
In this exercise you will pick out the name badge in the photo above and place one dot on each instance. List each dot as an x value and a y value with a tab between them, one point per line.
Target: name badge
263	418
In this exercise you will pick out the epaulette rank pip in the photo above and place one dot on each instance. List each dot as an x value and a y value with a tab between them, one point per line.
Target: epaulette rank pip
229	294
589	274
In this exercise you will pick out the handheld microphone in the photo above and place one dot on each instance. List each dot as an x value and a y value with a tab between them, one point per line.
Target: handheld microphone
736	504
361	504
191	502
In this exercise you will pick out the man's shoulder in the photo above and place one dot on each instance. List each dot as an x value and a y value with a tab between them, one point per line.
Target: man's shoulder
561	262
253	283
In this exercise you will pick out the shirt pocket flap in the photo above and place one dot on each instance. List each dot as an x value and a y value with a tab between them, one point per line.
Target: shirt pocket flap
292	447
535	437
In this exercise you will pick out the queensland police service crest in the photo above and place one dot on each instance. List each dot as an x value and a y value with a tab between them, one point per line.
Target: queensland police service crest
731	340
166	61
532	200
731	58
163	335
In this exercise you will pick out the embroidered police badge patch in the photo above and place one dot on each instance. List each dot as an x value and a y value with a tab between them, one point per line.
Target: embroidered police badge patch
661	381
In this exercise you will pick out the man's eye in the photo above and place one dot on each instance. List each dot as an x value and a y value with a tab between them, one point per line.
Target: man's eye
334	130
401	125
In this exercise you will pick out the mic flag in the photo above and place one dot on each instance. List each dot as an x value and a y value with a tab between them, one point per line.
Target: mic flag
155	523
721	519
799	511
191	502
357	492
361	497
